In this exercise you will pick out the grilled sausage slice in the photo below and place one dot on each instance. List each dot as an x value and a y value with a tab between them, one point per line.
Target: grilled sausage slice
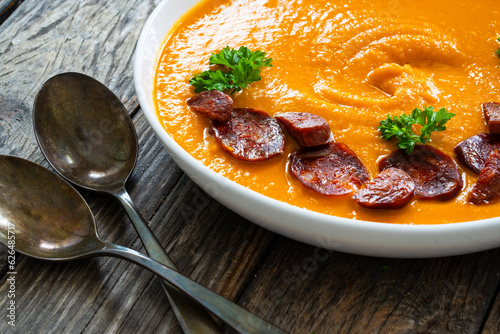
393	188
435	174
487	187
331	169
307	129
491	112
473	151
212	104
250	134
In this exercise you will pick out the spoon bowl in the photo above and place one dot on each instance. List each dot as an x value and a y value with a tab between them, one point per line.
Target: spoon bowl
56	228
51	221
85	132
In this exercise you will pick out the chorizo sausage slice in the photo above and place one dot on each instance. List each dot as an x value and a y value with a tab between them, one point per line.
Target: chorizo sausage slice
473	151
250	134
212	104
393	188
435	174
306	128
491	112
487	187
331	169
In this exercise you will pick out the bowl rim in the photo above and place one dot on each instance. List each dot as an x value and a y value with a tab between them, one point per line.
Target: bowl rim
337	233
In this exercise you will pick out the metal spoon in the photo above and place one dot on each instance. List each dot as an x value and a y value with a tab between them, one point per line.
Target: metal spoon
51	221
87	136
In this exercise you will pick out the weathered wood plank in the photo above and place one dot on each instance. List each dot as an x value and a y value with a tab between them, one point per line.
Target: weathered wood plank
492	324
44	38
317	291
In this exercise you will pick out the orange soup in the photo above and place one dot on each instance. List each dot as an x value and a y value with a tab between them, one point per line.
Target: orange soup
351	62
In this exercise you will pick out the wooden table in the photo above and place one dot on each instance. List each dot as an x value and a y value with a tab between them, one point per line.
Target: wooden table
300	288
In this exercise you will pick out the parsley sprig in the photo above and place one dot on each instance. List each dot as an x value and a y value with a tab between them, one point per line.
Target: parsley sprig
401	126
240	68
497	52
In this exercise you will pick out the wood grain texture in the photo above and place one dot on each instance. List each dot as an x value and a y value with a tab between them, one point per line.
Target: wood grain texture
492	324
341	293
301	288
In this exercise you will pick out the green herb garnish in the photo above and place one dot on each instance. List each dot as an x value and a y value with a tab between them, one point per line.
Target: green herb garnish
401	126
240	68
497	52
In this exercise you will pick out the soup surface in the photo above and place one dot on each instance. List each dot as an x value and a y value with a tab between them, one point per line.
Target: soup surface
351	62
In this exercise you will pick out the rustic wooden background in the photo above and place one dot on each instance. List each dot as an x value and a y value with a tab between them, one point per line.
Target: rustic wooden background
301	288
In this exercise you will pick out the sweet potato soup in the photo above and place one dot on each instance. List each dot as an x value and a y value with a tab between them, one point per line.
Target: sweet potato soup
351	62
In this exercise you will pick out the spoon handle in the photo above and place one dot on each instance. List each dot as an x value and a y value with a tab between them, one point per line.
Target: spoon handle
192	318
232	314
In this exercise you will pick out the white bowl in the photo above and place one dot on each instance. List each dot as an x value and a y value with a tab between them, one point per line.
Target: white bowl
341	234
